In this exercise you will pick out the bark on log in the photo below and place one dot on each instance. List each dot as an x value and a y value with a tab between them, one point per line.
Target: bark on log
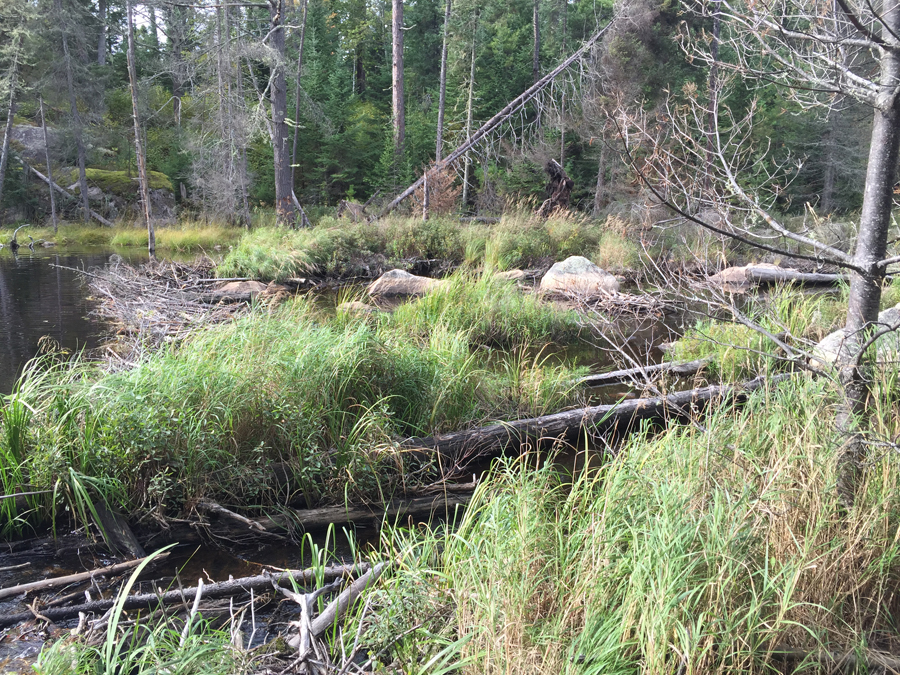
44	584
683	368
261	582
96	216
760	275
607	419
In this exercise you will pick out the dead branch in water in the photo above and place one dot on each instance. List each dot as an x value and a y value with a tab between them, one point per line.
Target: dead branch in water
155	303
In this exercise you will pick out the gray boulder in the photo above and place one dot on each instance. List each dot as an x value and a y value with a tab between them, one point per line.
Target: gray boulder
887	347
399	283
578	276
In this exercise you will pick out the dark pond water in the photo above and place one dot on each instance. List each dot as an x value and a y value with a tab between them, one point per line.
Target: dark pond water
42	294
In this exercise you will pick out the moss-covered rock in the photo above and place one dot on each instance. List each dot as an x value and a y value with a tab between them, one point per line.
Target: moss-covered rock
120	183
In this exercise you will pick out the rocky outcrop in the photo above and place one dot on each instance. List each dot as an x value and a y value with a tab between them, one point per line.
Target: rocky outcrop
887	347
399	283
578	276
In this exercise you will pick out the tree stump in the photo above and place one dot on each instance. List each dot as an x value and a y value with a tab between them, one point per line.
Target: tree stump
559	189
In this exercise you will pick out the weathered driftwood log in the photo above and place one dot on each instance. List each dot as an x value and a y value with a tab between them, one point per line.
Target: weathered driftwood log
607	419
682	369
222	589
339	606
55	582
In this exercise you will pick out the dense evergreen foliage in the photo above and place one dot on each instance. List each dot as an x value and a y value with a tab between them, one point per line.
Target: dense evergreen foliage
205	77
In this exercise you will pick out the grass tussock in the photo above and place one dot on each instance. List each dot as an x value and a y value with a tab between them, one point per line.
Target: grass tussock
187	236
703	550
325	401
519	240
738	351
493	311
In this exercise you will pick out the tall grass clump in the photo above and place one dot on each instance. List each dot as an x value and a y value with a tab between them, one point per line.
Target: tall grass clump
737	351
186	236
340	247
325	402
703	550
493	310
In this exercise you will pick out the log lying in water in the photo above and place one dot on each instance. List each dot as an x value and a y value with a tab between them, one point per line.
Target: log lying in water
316	519
73	578
261	582
602	419
762	275
682	369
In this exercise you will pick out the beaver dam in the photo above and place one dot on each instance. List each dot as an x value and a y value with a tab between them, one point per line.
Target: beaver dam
279	478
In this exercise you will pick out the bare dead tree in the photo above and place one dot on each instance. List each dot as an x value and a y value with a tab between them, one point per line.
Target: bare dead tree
284	204
815	50
138	145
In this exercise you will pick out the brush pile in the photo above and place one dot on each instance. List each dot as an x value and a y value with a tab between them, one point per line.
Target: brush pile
156	303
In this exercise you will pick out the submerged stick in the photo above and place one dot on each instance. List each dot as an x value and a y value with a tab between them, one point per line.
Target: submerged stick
682	368
218	590
72	578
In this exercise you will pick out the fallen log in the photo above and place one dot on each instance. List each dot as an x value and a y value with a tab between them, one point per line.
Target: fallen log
682	369
314	519
458	447
851	662
53	186
762	275
222	589
55	582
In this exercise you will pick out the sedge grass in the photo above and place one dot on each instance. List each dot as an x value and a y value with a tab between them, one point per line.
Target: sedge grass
341	248
701	550
327	401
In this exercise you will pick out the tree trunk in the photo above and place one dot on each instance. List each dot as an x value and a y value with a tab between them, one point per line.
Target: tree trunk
713	99
284	206
442	97
871	245
831	142
536	54
138	146
600	191
297	100
101	42
398	98
49	172
76	116
469	114
10	115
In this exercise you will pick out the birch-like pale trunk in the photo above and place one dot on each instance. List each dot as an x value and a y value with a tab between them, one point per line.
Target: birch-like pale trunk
469	119
49	171
138	145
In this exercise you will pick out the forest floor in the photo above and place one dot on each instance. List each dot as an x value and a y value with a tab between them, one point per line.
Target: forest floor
713	543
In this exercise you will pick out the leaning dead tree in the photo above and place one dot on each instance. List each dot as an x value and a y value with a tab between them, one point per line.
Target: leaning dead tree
512	108
697	157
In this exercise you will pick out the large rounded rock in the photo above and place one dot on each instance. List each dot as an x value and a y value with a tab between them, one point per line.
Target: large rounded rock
578	276
241	288
887	347
397	283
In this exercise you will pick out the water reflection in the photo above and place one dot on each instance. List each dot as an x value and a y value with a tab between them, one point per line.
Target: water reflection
41	294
